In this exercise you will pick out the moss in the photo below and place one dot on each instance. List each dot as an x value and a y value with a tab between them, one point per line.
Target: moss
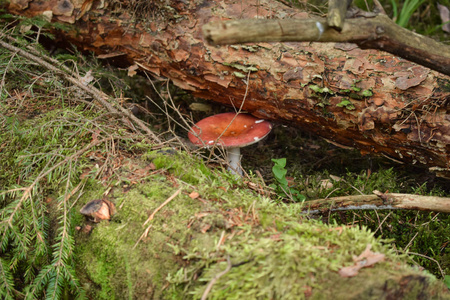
276	254
177	162
280	265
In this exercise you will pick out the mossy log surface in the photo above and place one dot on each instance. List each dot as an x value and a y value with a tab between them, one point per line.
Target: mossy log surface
263	250
367	99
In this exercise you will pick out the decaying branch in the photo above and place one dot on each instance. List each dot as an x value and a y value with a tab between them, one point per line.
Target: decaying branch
337	10
380	200
378	32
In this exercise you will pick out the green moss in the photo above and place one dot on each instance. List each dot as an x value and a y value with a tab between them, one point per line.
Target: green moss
275	252
180	164
281	264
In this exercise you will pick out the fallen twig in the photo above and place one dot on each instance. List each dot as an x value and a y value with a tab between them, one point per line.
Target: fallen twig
376	32
379	200
161	206
432	259
213	281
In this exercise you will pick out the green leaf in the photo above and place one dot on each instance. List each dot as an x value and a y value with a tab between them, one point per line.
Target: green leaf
347	104
279	162
279	172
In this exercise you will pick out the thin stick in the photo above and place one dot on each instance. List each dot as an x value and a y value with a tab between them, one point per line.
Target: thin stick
432	259
382	222
378	32
143	235
379	200
161	206
213	281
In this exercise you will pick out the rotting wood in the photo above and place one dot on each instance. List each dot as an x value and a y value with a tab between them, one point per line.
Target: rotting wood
379	200
366	99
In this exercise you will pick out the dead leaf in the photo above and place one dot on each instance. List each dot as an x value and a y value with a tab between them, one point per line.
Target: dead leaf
63	8
110	55
19	4
194	195
326	184
350	271
132	70
307	291
366	259
85	7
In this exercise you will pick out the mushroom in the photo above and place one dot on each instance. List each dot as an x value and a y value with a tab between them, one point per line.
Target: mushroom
231	131
98	209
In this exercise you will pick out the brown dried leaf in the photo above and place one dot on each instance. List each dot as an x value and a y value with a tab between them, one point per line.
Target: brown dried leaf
350	271
132	70
63	8
194	195
19	4
85	7
110	55
366	259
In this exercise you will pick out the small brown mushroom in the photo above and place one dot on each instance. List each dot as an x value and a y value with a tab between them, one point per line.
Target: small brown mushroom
231	131
99	209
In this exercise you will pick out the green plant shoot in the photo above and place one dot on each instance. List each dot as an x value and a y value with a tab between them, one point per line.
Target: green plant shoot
282	187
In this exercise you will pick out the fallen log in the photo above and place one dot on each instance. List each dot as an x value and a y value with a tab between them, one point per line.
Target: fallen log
367	99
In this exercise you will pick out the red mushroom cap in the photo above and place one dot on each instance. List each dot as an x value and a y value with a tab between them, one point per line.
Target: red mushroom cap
244	130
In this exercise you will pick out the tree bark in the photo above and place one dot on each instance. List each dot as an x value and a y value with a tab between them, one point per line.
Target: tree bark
367	99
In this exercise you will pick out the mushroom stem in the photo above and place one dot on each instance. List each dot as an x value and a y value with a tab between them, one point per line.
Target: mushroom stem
234	160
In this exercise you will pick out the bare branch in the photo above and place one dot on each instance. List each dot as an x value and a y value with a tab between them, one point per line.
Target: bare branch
380	200
378	32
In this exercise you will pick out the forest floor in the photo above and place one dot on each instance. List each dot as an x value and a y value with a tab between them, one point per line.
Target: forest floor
58	150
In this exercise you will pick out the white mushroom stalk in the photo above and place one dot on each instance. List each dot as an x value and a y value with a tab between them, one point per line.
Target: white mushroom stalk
234	160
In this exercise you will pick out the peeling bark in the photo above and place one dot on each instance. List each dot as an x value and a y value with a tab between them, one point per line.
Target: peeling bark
367	99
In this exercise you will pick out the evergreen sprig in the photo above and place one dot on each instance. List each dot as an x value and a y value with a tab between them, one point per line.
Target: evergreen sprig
40	158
